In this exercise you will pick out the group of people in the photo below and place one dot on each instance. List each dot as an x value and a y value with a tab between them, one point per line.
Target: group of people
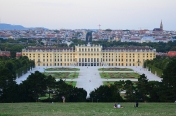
119	106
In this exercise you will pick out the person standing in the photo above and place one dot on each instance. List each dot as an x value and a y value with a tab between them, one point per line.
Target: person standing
63	99
137	104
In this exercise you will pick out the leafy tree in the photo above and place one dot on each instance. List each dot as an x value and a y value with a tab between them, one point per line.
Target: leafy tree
142	88
154	88
106	94
129	88
72	94
34	86
168	87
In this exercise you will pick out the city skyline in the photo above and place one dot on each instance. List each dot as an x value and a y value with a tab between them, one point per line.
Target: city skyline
88	14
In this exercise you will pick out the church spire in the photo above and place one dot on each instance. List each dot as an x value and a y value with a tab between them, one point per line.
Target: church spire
161	26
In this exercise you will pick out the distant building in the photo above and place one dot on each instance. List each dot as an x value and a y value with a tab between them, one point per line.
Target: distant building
5	53
171	53
92	55
161	54
18	54
147	39
159	29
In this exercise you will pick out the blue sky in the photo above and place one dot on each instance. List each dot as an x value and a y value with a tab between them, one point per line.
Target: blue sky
88	14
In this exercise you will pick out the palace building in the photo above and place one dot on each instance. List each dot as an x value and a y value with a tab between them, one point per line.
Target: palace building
89	55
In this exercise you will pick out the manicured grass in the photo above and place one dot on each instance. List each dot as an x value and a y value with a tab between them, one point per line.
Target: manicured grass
108	82
129	75
73	83
112	82
115	69
62	75
62	69
86	109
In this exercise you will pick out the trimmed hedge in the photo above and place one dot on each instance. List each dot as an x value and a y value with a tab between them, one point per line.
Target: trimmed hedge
154	69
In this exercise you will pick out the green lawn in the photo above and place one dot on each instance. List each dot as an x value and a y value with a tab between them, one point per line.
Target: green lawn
73	83
115	69
62	69
86	109
62	75
119	75
108	82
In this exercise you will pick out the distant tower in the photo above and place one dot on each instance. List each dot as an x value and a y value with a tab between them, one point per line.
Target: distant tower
161	26
99	26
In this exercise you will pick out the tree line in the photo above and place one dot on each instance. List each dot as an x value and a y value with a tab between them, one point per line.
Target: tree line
160	46
158	64
38	85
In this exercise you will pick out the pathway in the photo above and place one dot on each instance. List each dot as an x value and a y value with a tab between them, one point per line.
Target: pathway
89	79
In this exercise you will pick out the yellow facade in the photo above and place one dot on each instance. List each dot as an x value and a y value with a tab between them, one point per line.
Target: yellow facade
94	55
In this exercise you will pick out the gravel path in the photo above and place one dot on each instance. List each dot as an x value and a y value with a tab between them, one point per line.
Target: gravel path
89	79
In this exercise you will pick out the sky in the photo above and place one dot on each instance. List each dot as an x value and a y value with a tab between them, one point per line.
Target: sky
88	14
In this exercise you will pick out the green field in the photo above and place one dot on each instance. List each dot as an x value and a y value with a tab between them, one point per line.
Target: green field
62	69
86	109
62	75
73	83
115	69
119	75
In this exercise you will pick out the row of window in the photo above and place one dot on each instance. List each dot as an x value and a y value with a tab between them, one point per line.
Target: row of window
97	64
88	49
89	60
107	54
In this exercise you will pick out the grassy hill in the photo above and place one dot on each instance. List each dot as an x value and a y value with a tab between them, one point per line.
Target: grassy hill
86	109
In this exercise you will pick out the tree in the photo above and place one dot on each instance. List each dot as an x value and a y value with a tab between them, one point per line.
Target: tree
72	94
7	86
154	88
142	88
130	89
106	94
34	86
168	87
